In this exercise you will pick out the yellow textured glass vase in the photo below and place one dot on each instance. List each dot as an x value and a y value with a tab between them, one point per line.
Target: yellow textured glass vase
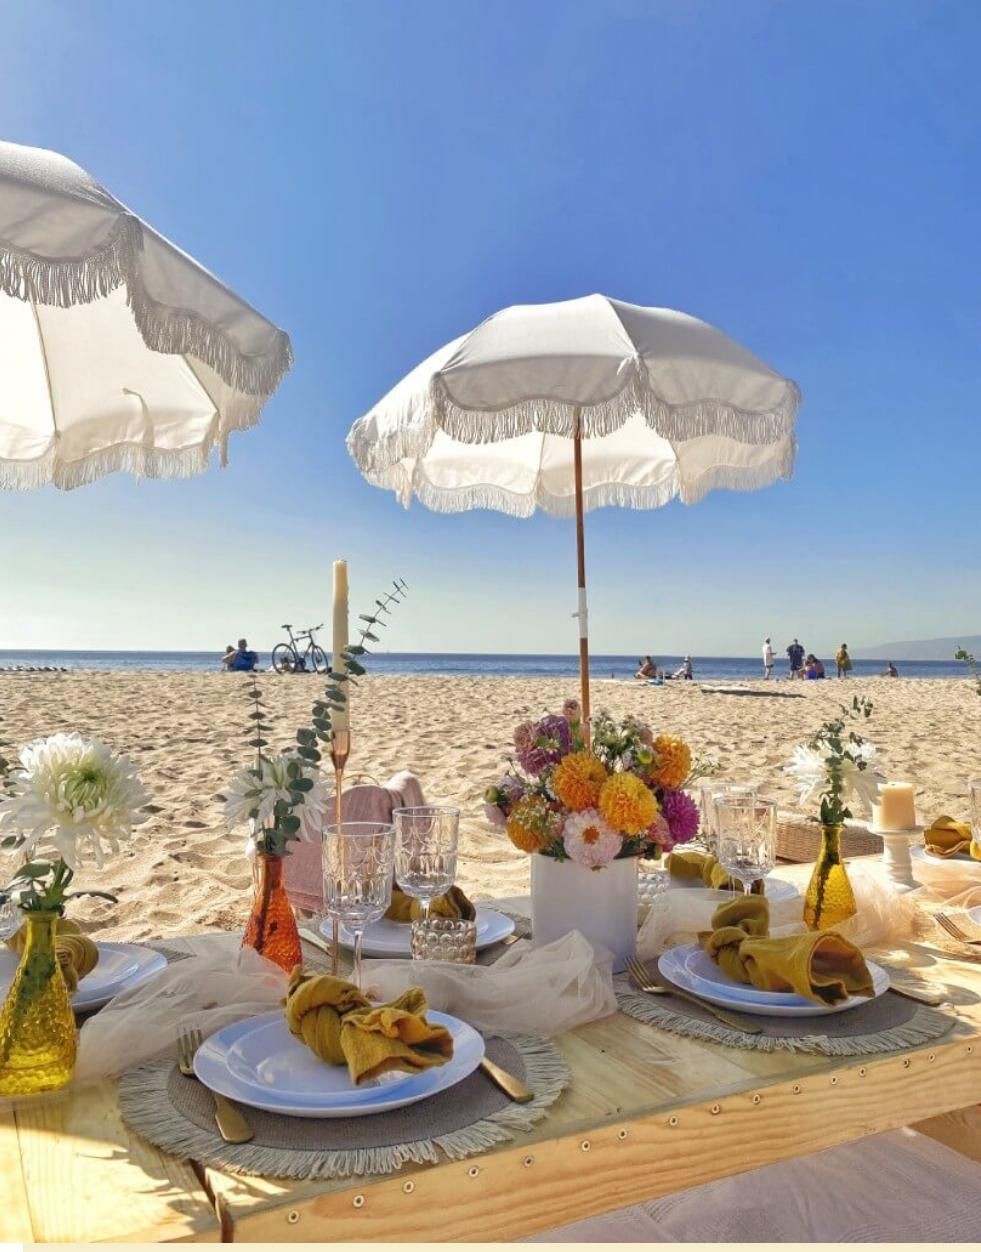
829	899
37	1025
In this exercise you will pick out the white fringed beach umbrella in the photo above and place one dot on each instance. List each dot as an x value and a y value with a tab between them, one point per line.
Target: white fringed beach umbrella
117	350
576	405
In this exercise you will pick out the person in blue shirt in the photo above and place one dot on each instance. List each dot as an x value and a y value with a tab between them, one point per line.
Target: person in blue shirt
243	659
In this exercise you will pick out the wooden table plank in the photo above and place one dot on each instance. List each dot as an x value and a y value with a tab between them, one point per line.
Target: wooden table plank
90	1179
15	1214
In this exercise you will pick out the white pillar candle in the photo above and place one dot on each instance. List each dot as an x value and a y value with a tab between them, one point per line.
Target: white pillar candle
341	719
896	809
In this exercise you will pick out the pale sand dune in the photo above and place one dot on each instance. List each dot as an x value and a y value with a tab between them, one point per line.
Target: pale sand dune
183	871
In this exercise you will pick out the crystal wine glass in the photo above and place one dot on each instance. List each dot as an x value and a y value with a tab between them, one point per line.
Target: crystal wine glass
709	792
747	834
426	838
11	859
358	860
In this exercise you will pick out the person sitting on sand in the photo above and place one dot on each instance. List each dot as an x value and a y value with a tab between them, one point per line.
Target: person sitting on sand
890	671
243	659
229	656
647	669
815	668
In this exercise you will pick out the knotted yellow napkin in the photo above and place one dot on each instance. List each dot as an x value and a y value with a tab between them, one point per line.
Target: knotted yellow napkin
76	953
948	837
340	1026
694	865
820	965
454	904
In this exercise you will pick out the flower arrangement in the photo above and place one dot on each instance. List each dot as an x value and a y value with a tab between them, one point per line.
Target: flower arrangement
622	795
838	764
74	799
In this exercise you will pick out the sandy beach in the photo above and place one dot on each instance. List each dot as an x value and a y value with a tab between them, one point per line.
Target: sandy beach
184	871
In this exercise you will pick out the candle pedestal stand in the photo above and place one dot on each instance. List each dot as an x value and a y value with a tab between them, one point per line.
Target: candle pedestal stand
340	750
896	857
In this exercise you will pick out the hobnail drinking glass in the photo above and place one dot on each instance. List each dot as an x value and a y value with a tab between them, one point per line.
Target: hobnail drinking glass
709	792
444	939
358	860
426	838
747	834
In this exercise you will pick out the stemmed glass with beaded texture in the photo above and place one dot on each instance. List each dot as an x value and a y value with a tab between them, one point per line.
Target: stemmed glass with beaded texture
747	836
358	860
426	838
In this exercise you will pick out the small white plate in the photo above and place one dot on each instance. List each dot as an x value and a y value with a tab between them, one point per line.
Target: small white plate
694	970
919	853
388	938
974	915
259	1063
121	966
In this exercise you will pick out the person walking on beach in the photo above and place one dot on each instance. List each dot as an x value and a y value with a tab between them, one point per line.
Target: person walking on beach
768	658
843	661
795	652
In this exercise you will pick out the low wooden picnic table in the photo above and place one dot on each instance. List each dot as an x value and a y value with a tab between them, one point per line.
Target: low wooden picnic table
646	1113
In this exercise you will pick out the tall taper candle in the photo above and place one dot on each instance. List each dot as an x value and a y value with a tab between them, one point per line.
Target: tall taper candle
341	719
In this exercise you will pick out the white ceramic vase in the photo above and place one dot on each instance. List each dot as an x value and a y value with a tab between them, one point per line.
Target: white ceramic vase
600	903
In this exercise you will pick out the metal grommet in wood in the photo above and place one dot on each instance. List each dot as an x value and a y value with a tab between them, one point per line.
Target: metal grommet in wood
358	1201
292	1217
473	1171
796	1088
528	1162
834	1081
715	1109
672	1121
621	1134
970	1047
409	1187
861	1072
585	1145
932	1056
906	1063
757	1098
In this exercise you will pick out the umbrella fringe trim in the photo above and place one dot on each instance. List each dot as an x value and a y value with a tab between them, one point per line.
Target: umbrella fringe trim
132	458
66	282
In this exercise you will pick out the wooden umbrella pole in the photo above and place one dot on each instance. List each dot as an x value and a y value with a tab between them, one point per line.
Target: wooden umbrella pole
581	561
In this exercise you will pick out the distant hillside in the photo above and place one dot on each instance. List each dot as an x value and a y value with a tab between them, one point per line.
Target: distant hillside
922	649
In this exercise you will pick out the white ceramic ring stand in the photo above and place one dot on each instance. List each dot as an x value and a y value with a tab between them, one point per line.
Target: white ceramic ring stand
896	857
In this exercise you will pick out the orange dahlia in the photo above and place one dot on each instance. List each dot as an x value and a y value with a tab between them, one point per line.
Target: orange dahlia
672	762
532	825
627	804
577	780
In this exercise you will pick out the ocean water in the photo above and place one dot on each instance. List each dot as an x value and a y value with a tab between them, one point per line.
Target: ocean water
710	668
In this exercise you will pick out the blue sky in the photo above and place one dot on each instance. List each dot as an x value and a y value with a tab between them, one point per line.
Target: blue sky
378	177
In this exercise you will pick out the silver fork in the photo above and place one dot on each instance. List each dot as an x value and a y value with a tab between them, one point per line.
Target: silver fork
231	1124
955	932
643	981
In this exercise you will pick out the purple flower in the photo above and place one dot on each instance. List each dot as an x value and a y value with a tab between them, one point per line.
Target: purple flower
552	741
681	813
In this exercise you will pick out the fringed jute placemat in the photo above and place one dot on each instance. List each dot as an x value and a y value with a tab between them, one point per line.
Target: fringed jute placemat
887	1024
178	1115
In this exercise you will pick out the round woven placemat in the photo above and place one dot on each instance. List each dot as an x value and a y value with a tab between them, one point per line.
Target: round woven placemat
177	1114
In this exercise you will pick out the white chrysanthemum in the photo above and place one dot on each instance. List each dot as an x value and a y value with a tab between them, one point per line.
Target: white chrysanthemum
76	791
247	793
589	840
809	767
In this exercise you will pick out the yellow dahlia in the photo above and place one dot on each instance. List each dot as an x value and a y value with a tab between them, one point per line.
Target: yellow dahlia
627	804
532	825
672	762
577	780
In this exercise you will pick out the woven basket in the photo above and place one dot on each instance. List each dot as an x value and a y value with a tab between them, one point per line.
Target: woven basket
798	839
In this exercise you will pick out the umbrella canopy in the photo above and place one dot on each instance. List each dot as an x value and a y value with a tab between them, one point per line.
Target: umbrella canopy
575	405
117	350
667	406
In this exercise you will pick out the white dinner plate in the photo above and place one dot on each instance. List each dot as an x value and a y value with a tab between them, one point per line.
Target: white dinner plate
974	915
388	938
694	970
919	853
777	889
259	1063
121	966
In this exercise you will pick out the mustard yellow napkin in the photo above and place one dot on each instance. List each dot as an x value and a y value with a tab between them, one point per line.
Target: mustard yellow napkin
454	904
394	1036
340	1026
315	1005
76	953
693	865
821	965
948	837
